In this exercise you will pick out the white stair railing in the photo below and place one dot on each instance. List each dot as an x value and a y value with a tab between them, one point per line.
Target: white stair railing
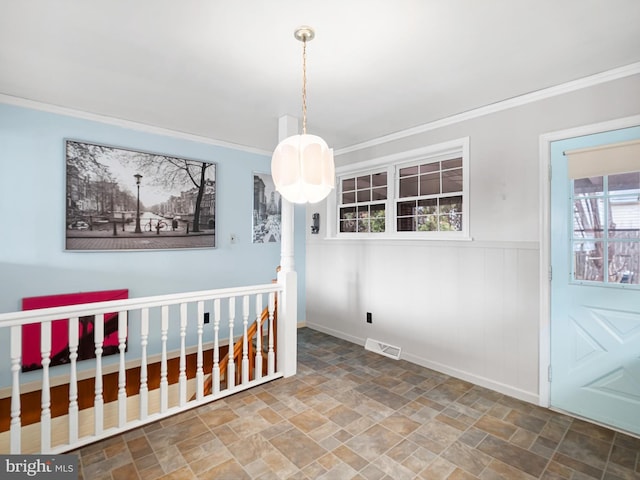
151	317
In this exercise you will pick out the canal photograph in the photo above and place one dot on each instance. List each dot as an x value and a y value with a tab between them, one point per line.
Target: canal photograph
122	199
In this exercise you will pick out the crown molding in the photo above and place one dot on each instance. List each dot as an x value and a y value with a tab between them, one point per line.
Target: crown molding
118	122
585	82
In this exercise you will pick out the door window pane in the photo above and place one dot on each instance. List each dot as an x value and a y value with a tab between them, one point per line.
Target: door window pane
624	183
588	217
588	186
588	261
624	217
624	262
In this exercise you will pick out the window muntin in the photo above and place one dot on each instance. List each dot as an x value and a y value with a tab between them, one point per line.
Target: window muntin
606	229
363	205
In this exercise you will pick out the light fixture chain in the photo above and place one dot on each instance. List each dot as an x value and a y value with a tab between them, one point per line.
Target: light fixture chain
304	86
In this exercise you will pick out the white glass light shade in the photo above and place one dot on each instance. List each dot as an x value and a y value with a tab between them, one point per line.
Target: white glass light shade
302	169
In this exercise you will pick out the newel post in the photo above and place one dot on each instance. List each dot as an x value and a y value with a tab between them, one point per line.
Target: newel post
287	354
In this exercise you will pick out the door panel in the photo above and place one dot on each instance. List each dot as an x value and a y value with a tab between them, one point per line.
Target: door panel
595	296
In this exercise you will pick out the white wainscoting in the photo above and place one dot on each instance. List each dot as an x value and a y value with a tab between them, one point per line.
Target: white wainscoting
467	309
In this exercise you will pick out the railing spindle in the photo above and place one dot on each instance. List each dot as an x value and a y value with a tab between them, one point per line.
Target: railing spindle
45	415
258	359
98	410
216	346
144	340
231	366
245	340
182	376
271	359
164	384
16	354
122	372
73	379
199	361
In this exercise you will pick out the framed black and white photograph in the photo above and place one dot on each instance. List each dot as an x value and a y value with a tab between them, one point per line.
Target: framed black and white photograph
267	209
121	199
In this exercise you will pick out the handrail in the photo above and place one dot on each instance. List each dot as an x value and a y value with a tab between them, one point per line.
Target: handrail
55	313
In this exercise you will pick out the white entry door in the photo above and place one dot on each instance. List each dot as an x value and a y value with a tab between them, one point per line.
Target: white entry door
595	287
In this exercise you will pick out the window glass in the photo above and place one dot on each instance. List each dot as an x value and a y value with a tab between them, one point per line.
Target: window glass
348	184
624	183
434	209
379	193
409	187
347	219
588	186
606	229
348	197
364	195
363	207
430	184
452	181
455	163
379	179
405	172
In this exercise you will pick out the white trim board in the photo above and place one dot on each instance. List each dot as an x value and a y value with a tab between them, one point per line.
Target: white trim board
544	387
586	82
118	122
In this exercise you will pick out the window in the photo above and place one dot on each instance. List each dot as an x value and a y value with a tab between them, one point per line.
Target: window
606	229
418	194
363	204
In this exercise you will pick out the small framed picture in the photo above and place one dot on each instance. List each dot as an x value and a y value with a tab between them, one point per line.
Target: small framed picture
267	209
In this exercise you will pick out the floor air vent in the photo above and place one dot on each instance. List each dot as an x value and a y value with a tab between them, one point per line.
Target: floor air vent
382	348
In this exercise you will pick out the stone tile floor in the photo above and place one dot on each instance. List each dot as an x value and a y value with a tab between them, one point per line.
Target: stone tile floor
352	414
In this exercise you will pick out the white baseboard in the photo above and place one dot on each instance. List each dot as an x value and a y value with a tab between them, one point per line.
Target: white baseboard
509	390
336	333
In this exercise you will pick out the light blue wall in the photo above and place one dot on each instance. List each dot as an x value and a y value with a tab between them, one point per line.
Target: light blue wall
32	212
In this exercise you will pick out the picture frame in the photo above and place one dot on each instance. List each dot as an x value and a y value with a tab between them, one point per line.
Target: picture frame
267	209
123	199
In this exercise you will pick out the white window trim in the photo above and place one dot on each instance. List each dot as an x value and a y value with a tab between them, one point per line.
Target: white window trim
450	149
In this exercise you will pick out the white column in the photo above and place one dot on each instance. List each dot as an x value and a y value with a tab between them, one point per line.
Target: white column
287	277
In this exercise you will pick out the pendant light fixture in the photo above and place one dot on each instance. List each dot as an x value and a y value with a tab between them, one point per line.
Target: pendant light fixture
302	165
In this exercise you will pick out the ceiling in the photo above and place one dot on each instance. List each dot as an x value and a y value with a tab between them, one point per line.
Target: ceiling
227	70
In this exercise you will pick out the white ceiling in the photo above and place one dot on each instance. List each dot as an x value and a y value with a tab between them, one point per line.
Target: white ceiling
228	70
